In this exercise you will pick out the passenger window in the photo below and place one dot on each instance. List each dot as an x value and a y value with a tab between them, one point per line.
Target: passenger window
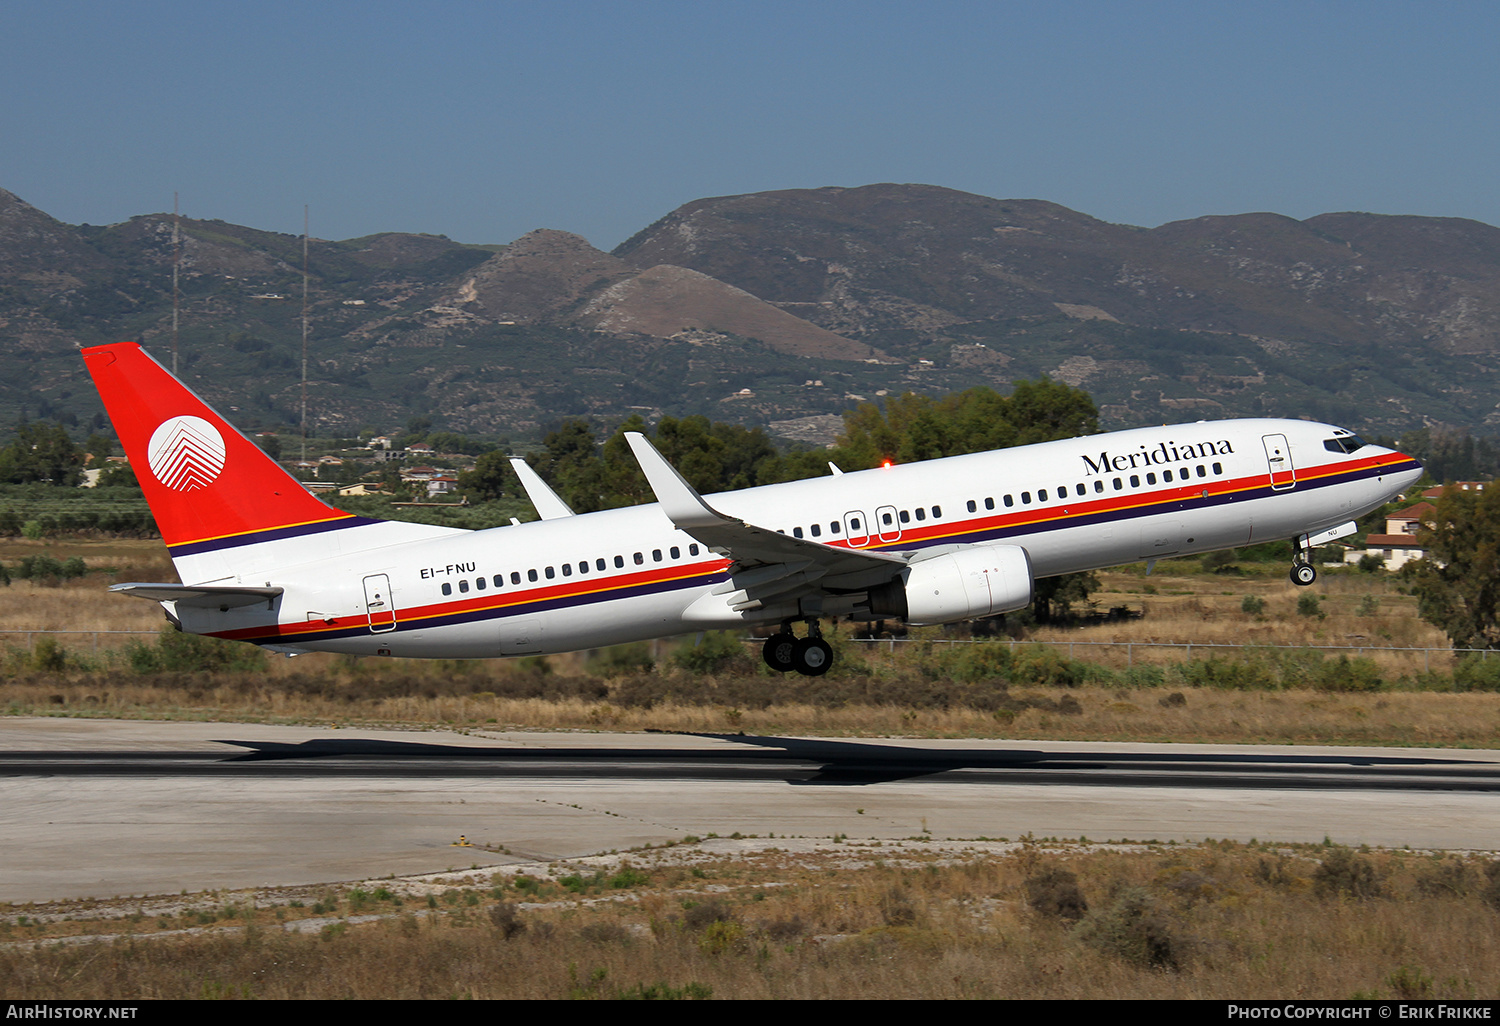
854	524
817	532
583	566
1041	495
885	518
989	502
463	586
904	516
796	532
1201	471
1218	468
619	562
921	513
1118	484
1026	498
676	552
599	565
515	576
447	588
973	506
567	569
531	575
640	558
551	573
937	511
1166	475
499	580
656	555
1151	478
1062	491
1009	501
479	583
1099	485
693	549
1135	480
833	527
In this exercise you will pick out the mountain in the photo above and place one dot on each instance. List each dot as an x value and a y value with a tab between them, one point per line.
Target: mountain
778	308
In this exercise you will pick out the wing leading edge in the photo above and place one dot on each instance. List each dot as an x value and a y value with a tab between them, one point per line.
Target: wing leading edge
767	565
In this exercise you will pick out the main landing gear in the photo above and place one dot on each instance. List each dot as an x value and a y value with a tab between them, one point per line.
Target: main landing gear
810	656
1303	572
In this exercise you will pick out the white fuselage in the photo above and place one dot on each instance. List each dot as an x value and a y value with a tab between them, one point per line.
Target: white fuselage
628	574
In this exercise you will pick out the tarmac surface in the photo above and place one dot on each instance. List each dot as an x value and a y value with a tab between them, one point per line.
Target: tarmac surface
104	808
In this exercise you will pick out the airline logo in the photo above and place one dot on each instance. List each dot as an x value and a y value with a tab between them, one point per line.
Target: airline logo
186	453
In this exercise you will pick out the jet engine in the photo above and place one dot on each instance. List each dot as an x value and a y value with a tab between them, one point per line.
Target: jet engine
961	584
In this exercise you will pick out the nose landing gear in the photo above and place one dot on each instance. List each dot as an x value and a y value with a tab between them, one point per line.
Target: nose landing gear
810	656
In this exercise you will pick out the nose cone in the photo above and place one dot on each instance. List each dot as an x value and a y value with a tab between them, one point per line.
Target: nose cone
1406	473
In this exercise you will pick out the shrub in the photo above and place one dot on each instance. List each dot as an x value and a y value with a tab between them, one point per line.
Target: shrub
1054	892
1308	605
619	660
717	651
1134	929
48	656
1349	675
1345	873
505	918
1253	605
178	652
1475	672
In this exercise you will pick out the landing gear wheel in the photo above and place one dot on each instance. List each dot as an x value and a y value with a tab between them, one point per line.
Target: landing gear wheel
779	652
1304	574
812	657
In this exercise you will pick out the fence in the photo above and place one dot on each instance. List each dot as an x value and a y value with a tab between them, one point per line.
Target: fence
1187	647
110	635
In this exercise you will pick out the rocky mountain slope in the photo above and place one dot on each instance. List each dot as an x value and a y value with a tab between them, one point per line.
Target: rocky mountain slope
781	308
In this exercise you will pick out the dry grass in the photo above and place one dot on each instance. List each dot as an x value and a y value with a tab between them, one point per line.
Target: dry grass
905	689
1205	715
903	920
1190	607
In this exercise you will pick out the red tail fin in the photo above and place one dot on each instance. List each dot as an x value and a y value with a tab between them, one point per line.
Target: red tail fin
207	484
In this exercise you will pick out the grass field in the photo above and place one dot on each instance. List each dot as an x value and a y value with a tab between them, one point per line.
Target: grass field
788	919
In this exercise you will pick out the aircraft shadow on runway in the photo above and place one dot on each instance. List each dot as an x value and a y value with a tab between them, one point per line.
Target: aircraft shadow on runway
835	762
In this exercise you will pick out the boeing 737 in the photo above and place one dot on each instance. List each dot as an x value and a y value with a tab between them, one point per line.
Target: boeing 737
262	560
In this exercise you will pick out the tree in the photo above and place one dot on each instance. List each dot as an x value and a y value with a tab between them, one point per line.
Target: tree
491	478
44	453
1458	583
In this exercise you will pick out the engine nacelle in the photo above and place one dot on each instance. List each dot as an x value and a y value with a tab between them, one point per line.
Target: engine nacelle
969	582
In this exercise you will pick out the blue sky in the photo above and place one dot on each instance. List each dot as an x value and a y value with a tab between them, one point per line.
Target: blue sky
484	120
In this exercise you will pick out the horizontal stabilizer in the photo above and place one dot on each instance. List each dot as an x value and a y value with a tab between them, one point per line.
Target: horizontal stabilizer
206	596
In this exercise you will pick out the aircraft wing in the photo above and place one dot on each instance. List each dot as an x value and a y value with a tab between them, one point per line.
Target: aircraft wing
767	563
549	505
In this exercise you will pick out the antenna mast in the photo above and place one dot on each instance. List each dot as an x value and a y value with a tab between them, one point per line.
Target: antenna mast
304	332
176	263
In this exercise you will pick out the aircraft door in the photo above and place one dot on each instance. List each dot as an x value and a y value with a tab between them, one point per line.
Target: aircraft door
1279	460
856	530
888	524
378	603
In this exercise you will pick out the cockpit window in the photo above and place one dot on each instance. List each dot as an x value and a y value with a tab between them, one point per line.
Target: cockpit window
1344	443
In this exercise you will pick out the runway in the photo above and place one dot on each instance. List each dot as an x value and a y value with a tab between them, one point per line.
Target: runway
103	808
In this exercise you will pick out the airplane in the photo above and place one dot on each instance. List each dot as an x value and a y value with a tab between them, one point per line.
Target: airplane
264	561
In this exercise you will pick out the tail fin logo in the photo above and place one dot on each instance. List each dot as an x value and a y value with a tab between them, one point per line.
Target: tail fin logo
186	453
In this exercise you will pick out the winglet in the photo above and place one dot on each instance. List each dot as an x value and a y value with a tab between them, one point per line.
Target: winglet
679	500
549	505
